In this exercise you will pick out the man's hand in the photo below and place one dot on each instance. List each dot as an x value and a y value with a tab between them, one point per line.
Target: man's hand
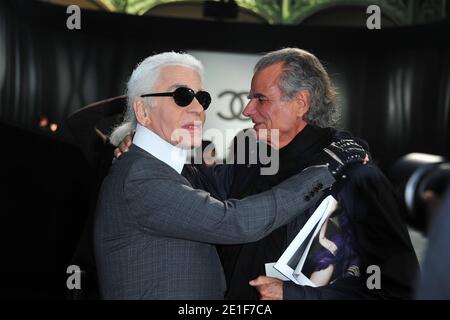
340	154
269	288
124	145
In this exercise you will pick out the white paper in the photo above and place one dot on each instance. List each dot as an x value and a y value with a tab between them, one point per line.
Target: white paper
274	273
291	262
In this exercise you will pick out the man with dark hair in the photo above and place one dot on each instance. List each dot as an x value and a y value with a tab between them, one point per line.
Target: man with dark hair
291	91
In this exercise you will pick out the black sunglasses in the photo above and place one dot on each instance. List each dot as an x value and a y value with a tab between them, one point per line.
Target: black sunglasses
183	96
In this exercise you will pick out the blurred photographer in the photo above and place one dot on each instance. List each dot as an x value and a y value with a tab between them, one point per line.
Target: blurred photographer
434	281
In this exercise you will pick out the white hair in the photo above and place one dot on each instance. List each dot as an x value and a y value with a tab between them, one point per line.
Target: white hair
142	81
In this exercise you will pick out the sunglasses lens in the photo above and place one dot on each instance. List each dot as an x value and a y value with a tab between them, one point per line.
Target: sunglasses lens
204	98
183	96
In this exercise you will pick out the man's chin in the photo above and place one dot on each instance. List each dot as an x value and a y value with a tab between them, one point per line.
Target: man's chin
261	133
270	137
192	143
187	139
187	146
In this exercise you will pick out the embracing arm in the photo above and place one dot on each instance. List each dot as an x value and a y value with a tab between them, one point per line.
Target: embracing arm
220	176
172	208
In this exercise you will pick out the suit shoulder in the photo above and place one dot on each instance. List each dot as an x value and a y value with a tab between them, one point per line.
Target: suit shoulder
133	159
144	166
129	163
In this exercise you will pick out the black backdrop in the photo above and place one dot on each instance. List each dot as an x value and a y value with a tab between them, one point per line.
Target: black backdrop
395	84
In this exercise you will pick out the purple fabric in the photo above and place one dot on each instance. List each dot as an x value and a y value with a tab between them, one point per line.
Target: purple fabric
345	255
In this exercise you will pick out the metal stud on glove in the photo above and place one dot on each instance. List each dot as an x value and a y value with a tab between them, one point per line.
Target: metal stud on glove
340	154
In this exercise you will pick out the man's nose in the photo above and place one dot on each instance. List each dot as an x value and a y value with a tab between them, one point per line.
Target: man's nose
195	106
249	109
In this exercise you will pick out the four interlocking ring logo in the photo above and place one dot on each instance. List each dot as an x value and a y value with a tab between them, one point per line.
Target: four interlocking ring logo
237	104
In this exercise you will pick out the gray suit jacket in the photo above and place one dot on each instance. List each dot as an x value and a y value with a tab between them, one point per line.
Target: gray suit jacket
154	233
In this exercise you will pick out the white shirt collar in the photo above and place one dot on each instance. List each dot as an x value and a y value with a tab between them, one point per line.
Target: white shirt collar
160	148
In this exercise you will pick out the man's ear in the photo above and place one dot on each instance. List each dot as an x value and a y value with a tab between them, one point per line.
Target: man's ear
303	100
140	109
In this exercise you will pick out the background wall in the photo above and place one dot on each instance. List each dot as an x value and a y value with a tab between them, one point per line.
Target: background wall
227	78
394	82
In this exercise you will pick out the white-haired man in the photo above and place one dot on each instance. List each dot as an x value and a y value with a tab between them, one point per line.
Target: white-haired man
153	232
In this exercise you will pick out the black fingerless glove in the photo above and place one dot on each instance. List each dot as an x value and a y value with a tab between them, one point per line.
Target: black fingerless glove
339	155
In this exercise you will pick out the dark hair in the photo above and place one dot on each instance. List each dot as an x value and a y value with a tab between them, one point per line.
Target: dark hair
303	71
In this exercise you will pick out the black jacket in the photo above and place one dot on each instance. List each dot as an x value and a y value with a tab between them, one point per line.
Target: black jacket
368	203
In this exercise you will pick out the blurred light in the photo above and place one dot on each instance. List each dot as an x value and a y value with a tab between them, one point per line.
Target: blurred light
53	127
43	122
424	157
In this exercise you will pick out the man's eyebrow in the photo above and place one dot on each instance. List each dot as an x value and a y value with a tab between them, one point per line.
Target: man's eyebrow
176	86
256	95
180	85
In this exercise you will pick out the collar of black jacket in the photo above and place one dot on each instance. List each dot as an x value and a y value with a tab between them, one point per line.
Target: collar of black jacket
306	144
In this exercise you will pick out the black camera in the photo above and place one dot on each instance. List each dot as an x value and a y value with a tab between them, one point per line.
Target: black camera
420	181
